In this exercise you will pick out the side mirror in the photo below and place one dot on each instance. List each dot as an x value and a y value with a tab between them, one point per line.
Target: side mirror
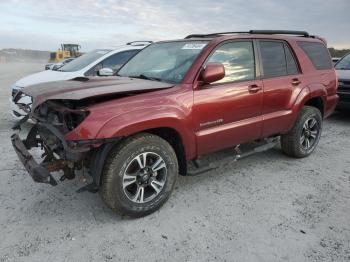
213	72
105	72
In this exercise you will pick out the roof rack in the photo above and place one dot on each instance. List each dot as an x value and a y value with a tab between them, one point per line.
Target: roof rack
264	32
139	43
213	34
280	32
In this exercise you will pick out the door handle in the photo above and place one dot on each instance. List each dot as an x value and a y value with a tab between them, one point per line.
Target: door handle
296	82
254	88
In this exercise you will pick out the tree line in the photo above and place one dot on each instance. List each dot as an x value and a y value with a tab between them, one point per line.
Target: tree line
338	52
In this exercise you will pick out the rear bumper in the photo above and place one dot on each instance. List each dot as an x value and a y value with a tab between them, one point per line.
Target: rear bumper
39	173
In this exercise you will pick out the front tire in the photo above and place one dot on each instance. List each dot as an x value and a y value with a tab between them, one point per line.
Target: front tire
139	175
302	140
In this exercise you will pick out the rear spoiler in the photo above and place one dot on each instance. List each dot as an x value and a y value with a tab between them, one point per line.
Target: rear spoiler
320	38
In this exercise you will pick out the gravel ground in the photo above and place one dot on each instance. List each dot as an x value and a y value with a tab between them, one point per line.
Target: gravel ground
267	207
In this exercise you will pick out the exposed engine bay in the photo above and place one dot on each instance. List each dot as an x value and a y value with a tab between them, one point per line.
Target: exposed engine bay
53	120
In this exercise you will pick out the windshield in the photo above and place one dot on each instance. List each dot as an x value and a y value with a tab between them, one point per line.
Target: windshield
166	62
84	60
344	63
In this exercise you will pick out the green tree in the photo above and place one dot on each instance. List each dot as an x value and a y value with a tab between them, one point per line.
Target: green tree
338	52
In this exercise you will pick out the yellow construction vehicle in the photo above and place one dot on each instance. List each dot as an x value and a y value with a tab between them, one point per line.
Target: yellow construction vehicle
66	51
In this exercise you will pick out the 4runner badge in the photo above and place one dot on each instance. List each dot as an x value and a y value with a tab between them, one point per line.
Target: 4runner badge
211	123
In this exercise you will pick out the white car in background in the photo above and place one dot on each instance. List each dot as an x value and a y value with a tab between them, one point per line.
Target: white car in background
55	66
100	62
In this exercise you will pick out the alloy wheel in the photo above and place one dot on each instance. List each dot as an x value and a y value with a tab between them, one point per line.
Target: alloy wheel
310	133
144	177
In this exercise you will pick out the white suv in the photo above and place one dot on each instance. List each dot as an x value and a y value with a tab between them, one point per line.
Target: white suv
100	62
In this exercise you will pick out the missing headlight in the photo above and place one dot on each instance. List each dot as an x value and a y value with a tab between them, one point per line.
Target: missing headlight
74	118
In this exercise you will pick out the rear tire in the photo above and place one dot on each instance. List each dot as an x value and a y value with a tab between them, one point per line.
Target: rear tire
139	175
302	140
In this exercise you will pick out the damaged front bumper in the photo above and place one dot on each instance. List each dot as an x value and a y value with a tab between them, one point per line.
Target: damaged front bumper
61	155
58	155
38	172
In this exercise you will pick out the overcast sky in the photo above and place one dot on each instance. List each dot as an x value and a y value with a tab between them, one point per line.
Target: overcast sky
45	24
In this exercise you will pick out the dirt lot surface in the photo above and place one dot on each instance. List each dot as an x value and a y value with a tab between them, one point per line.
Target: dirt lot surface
267	207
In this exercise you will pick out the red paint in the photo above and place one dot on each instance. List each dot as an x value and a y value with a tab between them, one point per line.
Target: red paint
212	118
213	72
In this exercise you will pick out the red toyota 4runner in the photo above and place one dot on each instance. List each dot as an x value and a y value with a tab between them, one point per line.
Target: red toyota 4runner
175	101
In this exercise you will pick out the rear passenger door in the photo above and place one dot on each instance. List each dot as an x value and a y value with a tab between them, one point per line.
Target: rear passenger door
281	80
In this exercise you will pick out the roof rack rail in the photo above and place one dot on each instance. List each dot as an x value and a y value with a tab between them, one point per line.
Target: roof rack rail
267	32
139	43
280	32
213	34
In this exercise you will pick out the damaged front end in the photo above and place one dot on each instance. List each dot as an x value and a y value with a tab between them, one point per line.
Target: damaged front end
53	120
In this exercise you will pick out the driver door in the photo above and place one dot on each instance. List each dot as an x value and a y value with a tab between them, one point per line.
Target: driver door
228	112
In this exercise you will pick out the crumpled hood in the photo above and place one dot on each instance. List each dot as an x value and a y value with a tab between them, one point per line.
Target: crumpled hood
44	76
89	87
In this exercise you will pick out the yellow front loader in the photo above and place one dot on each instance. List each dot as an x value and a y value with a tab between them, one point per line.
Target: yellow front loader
66	51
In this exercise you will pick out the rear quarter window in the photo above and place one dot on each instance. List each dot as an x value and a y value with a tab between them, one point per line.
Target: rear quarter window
318	54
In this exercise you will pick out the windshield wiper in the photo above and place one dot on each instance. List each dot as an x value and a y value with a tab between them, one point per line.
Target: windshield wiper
147	77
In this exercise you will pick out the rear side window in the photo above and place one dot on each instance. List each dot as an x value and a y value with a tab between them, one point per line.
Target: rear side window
273	59
277	59
292	68
318	55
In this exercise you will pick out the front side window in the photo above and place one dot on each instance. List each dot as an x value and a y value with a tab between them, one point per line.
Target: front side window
116	61
318	54
113	62
238	60
165	61
344	63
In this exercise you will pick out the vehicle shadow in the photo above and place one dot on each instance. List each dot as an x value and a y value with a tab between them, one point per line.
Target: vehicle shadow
63	202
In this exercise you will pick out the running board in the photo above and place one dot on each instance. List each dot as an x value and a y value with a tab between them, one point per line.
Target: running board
268	144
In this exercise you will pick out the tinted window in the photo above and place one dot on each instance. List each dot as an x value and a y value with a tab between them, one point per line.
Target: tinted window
113	62
273	58
292	68
277	59
318	54
116	61
238	60
344	63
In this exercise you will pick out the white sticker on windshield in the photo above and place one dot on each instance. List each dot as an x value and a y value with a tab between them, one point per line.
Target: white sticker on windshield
193	46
